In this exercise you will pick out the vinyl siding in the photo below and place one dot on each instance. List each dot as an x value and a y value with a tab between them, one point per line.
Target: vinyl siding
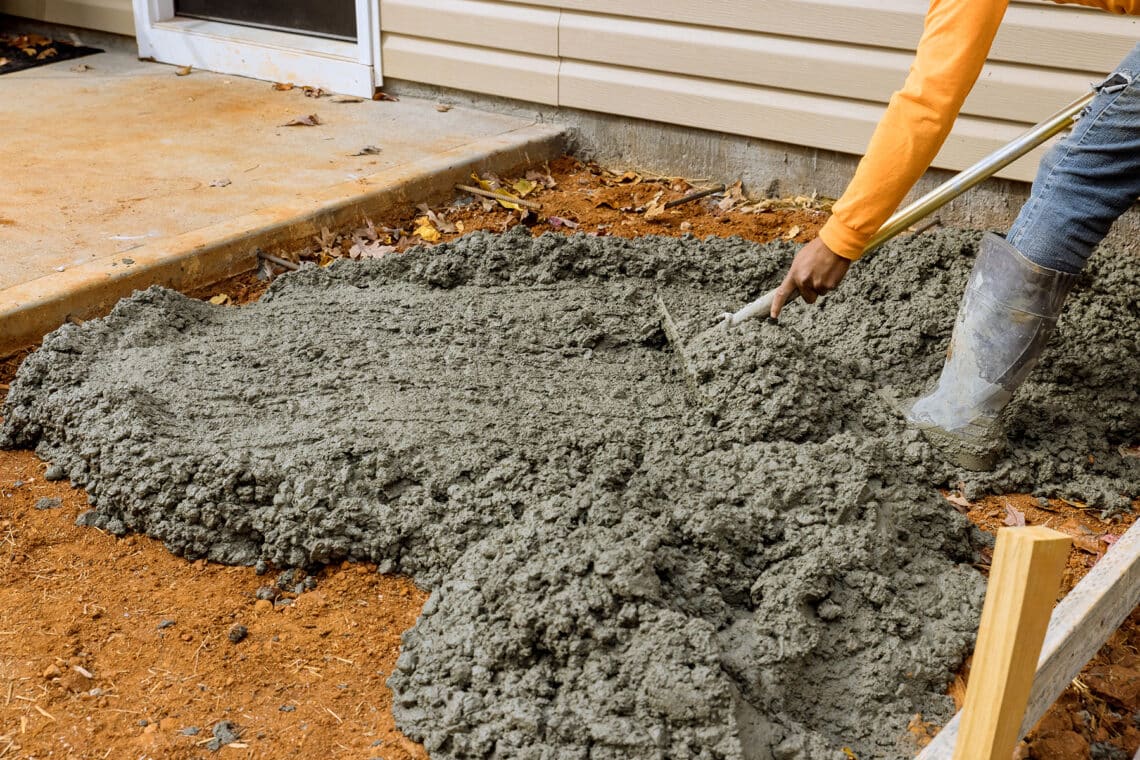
105	15
810	72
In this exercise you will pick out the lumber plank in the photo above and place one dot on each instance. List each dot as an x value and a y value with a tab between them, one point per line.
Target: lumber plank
1024	579
1079	626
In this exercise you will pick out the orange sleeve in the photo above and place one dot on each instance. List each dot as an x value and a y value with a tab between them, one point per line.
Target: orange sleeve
955	42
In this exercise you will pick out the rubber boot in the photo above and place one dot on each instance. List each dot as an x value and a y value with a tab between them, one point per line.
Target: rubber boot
1009	311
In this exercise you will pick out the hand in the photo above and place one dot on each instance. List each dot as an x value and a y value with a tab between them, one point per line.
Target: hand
815	270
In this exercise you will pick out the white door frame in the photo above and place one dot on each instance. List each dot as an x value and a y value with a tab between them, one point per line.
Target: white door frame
352	68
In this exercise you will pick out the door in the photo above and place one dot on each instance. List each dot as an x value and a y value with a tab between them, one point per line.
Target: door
330	44
329	18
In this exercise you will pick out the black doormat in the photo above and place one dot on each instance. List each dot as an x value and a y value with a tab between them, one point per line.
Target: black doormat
23	51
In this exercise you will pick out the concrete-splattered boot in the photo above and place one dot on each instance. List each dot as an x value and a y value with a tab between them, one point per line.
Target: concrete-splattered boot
1007	315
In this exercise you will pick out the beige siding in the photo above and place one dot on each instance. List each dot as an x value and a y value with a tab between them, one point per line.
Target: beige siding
809	72
105	15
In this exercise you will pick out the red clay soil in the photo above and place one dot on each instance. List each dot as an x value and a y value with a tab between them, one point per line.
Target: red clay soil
86	671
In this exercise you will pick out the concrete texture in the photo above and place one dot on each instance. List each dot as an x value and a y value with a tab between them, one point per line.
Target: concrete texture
767	168
616	571
126	175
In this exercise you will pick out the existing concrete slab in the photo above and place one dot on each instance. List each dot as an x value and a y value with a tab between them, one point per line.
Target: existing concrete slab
121	174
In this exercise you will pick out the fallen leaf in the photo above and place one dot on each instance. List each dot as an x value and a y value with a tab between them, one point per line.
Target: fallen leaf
442	225
1013	517
313	92
655	208
459	227
632	178
220	182
367	150
425	231
4	62
960	502
347	99
545	180
47	53
1089	544
379	95
557	221
492	184
220	300
183	71
78	68
311	120
850	755
443	107
791	234
283	86
524	187
733	196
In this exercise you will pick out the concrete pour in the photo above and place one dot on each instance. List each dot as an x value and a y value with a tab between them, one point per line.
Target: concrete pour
616	571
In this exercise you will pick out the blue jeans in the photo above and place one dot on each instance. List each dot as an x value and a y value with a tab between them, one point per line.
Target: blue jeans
1088	179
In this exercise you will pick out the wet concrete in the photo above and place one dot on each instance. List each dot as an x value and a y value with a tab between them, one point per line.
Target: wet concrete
616	569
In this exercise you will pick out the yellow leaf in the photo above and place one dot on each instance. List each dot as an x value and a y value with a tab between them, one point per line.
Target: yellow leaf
425	231
791	234
488	186
221	299
524	187
459	227
183	71
850	755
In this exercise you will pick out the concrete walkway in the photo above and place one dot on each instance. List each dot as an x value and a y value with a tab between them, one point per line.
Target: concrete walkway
127	165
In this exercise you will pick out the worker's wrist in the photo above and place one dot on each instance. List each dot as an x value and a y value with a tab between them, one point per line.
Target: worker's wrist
842	240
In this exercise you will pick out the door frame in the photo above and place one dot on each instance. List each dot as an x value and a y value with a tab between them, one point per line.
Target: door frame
351	68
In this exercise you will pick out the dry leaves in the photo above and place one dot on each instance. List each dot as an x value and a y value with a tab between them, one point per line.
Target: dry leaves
426	231
183	71
960	502
791	234
220	300
492	184
311	120
346	99
443	107
1014	518
283	86
79	68
655	209
379	95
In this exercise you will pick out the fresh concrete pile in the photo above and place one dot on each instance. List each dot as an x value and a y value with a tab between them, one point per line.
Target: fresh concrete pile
616	571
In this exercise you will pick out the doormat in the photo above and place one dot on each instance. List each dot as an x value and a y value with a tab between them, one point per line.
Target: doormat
25	51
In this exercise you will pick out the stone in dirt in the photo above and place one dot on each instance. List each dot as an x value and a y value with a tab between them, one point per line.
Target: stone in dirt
616	571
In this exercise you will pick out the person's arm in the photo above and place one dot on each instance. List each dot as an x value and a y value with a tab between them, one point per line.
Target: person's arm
955	42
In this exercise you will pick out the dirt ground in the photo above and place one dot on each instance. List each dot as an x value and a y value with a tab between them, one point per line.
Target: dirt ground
92	666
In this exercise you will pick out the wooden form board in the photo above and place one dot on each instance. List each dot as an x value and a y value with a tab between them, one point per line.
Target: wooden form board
1079	626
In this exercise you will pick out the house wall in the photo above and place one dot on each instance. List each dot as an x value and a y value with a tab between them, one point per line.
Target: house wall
104	15
813	73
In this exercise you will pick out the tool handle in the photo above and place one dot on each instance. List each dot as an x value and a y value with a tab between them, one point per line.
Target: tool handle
946	192
761	307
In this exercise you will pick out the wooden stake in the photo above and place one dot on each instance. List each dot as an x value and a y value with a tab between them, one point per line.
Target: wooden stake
1024	579
1081	623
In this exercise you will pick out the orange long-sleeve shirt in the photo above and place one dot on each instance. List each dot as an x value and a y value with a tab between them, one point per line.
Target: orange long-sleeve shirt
955	42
